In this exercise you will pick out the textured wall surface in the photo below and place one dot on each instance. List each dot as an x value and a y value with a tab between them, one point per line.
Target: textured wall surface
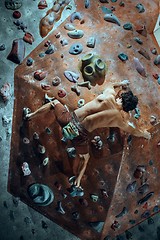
19	220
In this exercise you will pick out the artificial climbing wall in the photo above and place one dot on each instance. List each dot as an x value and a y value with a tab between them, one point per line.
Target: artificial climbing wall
120	186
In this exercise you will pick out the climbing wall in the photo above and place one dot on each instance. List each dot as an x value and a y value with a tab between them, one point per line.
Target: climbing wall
120	183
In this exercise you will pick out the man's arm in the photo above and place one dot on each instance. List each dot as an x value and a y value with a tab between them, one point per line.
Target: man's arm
133	130
123	83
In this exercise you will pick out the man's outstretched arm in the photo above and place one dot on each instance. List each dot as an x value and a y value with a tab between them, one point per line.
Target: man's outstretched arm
133	130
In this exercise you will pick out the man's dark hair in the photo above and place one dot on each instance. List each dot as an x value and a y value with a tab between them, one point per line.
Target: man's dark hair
129	101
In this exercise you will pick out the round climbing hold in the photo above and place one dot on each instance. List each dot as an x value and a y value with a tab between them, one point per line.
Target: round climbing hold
123	57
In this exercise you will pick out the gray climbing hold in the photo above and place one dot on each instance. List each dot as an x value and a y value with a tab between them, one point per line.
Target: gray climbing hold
29	61
50	50
140	8
60	208
98	226
91	42
138	40
75	15
40	194
76	48
13	4
87	3
123	57
71	76
110	17
131	187
127	26
2	47
139	67
157	60
122	213
76	34
69	27
71	152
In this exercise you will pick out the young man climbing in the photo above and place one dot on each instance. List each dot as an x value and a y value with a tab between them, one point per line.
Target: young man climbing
108	109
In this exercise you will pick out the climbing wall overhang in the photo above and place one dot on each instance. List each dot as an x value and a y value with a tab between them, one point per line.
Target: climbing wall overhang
120	186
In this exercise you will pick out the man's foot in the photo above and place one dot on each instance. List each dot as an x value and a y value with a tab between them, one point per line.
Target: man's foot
26	112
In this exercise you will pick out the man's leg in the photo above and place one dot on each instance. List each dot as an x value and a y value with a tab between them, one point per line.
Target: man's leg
84	158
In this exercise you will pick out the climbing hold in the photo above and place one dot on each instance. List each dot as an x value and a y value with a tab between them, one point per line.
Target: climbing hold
75	15
87	3
106	10
76	48
75	34
2	47
137	113
122	213
35	136
127	26
157	61
71	152
128	235
41	149
42	54
132	221
110	17
5	92
123	57
98	226
25	169
139	171
45	161
29	61
75	215
42	4
138	40
40	75
115	225
13	4
150	221
71	76
139	67
69	27
40	194
76	90
46	24
18	51
91	42
64	42
81	103
26	140
50	49
141	29
122	4
28	37
104	1
20	25
146	198
144	53
154	50
140	228
56	81
146	214
131	187
48	130
140	8
45	86
16	14
94	197
85	84
62	93
97	142
144	188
